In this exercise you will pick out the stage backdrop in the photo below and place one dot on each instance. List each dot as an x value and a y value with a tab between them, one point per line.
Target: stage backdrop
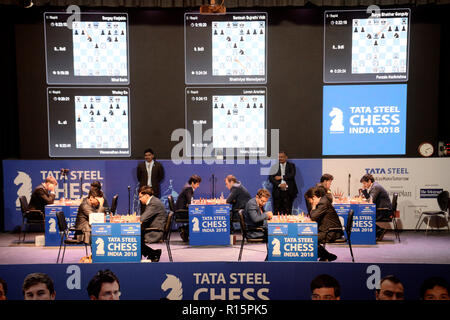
417	181
22	176
224	280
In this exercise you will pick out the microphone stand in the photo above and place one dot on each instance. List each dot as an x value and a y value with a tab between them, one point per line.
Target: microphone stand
81	187
349	175
128	199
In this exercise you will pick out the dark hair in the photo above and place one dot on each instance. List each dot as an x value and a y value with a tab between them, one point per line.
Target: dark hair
231	178
35	278
326	177
326	281
194	179
102	276
391	278
94	192
281	151
4	285
318	191
431	282
367	177
96	184
149	150
146	190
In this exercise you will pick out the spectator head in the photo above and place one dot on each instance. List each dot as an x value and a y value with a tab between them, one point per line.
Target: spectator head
38	286
435	288
325	287
104	286
390	289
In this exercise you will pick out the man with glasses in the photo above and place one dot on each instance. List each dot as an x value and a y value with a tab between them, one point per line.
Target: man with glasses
256	216
390	289
104	286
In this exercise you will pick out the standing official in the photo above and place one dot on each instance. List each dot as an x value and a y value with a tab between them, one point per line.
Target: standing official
150	172
284	189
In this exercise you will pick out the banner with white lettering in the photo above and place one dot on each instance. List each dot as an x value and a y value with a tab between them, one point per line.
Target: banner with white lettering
416	180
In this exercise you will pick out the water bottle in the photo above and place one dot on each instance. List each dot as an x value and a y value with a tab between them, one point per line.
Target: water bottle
108	218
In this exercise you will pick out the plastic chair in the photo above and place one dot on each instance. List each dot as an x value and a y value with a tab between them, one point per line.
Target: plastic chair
166	233
244	231
348	232
64	232
29	217
442	200
391	216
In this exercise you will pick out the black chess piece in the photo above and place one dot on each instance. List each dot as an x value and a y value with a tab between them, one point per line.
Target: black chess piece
111	113
98	112
92	106
109	32
235	46
103	33
79	120
376	43
228	113
96	46
261	105
82	32
124	113
254	105
403	29
111	106
261	32
382	36
396	35
390	29
104	119
242	39
369	36
356	30
91	113
117	106
76	32
362	29
122	33
221	107
248	31
254	32
85	106
215	32
221	32
396	28
215	106
248	105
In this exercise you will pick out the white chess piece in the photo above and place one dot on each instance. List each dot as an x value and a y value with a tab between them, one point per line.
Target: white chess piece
196	223
337	123
100	250
52	225
276	247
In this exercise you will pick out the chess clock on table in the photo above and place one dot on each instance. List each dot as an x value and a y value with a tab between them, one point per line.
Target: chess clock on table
426	149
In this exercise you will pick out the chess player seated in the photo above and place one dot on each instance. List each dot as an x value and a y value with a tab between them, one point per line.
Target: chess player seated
155	217
256	217
92	203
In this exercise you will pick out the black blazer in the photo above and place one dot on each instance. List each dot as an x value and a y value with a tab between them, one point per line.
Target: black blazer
154	216
238	197
40	198
325	215
379	195
289	177
184	198
157	176
84	210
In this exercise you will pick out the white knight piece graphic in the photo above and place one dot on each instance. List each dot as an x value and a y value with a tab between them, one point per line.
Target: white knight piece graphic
25	188
175	286
337	123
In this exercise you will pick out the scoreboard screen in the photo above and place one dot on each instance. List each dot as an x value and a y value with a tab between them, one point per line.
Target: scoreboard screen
224	120
226	49
89	122
90	50
363	46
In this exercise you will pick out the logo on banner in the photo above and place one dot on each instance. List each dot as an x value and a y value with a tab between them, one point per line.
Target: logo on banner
337	123
276	247
196	225
25	188
52	225
175	286
100	249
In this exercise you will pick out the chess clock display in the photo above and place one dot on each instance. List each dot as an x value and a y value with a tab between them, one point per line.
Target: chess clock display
90	50
89	122
226	48
229	120
361	46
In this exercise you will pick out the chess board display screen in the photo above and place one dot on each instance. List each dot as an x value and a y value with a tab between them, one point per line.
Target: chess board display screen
90	50
226	49
225	120
89	122
363	46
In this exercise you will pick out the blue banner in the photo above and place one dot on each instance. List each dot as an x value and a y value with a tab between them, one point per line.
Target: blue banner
20	177
224	280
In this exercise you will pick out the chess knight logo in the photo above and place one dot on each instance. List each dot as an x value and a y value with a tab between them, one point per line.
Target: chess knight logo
276	247
24	181
100	249
195	226
175	286
337	123
52	225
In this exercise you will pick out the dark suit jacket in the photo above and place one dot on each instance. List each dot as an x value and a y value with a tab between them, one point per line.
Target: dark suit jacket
289	177
238	197
157	176
40	198
154	216
379	195
84	210
184	198
255	218
325	215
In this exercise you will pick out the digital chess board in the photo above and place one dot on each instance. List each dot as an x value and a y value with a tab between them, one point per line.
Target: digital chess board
89	122
366	46
239	121
91	48
227	120
226	48
238	48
